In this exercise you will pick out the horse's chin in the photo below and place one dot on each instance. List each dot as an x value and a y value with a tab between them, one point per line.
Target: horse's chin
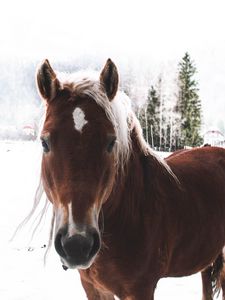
68	265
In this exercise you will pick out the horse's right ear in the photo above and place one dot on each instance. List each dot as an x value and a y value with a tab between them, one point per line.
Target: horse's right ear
109	79
47	82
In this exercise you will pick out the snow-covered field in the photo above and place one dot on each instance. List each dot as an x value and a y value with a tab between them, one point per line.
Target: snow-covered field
23	275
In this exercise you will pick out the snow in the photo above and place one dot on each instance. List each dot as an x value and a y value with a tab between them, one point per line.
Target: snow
23	273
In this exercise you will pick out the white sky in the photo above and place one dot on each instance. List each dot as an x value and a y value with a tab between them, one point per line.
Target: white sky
161	27
159	31
165	28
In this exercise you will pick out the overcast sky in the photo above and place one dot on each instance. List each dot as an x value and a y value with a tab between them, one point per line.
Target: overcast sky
152	31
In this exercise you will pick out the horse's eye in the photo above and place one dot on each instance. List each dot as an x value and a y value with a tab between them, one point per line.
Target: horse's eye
45	144
111	143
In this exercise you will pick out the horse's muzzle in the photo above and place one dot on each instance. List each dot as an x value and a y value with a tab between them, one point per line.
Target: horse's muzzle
78	250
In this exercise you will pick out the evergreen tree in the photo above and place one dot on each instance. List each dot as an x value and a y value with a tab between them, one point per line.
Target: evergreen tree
189	104
153	117
150	118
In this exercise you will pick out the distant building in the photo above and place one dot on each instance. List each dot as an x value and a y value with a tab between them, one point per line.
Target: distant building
214	137
29	132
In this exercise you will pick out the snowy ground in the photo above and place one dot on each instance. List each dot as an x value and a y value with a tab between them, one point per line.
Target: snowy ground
22	272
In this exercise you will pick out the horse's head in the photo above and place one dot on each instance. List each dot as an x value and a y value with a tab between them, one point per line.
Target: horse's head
79	139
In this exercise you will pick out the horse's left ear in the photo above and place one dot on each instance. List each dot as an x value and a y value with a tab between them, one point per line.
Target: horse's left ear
109	78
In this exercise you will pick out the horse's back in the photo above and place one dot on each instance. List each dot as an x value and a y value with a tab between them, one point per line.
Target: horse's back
201	208
201	173
206	160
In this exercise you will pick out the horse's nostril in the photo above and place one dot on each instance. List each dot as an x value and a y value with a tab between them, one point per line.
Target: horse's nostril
58	245
96	244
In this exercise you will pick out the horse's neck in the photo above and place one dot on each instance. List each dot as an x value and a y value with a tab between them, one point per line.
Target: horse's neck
144	190
139	190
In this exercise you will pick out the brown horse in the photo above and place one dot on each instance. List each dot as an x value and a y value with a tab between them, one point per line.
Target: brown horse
123	217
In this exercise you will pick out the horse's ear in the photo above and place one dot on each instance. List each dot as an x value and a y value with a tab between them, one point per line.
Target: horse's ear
47	82
109	78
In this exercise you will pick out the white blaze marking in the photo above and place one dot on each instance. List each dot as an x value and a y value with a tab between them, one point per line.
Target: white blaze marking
71	225
59	218
79	119
72	229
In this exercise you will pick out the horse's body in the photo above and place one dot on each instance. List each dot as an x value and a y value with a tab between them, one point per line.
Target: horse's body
200	209
156	219
179	236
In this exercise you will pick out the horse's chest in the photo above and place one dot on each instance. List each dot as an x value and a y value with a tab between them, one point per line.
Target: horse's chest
103	278
96	278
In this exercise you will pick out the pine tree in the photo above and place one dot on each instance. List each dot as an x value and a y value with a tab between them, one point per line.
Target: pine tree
189	104
153	117
150	118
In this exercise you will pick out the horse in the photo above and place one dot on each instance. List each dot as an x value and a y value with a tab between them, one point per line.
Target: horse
122	216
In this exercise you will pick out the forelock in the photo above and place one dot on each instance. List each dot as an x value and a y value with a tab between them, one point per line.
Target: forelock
118	111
